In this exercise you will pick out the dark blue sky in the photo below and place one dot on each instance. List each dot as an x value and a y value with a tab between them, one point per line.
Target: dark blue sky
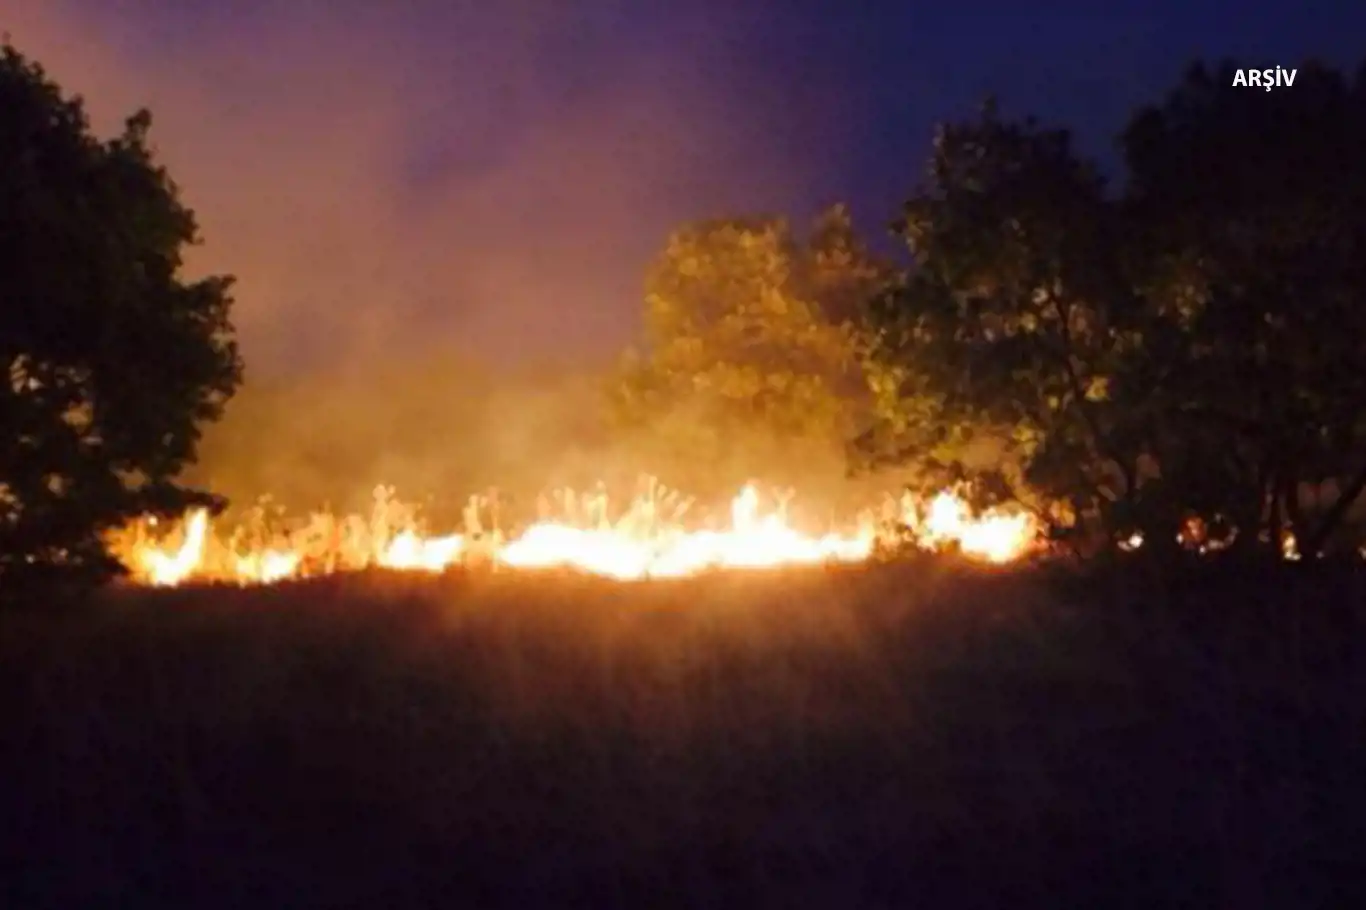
495	176
883	73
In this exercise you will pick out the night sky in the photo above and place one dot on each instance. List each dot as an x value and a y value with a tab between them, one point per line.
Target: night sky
494	177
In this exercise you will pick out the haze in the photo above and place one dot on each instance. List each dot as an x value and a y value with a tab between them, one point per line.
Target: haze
496	176
378	177
439	183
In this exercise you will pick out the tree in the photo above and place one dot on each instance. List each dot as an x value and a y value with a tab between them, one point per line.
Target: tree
112	358
1016	321
1188	349
1250	211
753	352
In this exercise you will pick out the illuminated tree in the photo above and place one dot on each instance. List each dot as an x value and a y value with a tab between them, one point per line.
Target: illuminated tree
1016	320
112	359
753	353
1190	347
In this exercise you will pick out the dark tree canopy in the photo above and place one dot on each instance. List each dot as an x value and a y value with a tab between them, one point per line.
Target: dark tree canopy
1015	319
1250	218
1187	348
112	358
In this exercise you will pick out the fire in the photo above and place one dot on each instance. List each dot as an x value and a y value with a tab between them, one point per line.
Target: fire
409	551
650	540
994	537
170	568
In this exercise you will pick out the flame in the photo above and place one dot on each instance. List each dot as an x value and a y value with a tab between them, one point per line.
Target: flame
267	566
409	551
172	568
994	537
1194	536
642	544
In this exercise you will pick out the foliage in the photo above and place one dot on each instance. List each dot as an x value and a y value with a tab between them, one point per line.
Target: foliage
1016	320
112	359
1190	347
752	342
1249	214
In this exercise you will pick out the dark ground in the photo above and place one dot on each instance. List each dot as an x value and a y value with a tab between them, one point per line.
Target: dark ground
898	737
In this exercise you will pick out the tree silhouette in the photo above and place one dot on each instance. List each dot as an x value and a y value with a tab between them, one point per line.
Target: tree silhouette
1188	348
1016	320
112	359
1250	213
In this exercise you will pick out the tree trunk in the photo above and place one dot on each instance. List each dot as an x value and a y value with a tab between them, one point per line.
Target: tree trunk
1290	495
1255	513
1293	513
1276	519
1316	541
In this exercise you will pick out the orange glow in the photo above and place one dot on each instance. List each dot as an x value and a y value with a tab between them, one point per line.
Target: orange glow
639	544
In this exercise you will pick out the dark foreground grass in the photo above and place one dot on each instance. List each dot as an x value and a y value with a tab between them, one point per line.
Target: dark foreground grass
897	737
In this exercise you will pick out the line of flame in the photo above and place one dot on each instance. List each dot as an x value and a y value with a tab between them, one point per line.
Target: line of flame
626	550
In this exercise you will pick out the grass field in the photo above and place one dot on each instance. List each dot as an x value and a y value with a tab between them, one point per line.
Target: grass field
913	736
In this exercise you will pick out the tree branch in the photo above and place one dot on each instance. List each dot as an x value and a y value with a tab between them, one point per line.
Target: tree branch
1326	528
1102	442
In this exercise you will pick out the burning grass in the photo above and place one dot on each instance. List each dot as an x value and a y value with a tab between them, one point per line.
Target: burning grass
927	732
651	537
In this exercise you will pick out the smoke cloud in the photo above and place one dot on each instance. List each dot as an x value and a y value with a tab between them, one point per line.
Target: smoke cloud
426	202
484	177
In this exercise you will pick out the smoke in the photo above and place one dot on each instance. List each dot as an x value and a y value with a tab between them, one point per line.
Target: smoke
423	183
420	199
478	177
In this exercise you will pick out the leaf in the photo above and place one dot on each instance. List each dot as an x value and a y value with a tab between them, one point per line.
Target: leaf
92	235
